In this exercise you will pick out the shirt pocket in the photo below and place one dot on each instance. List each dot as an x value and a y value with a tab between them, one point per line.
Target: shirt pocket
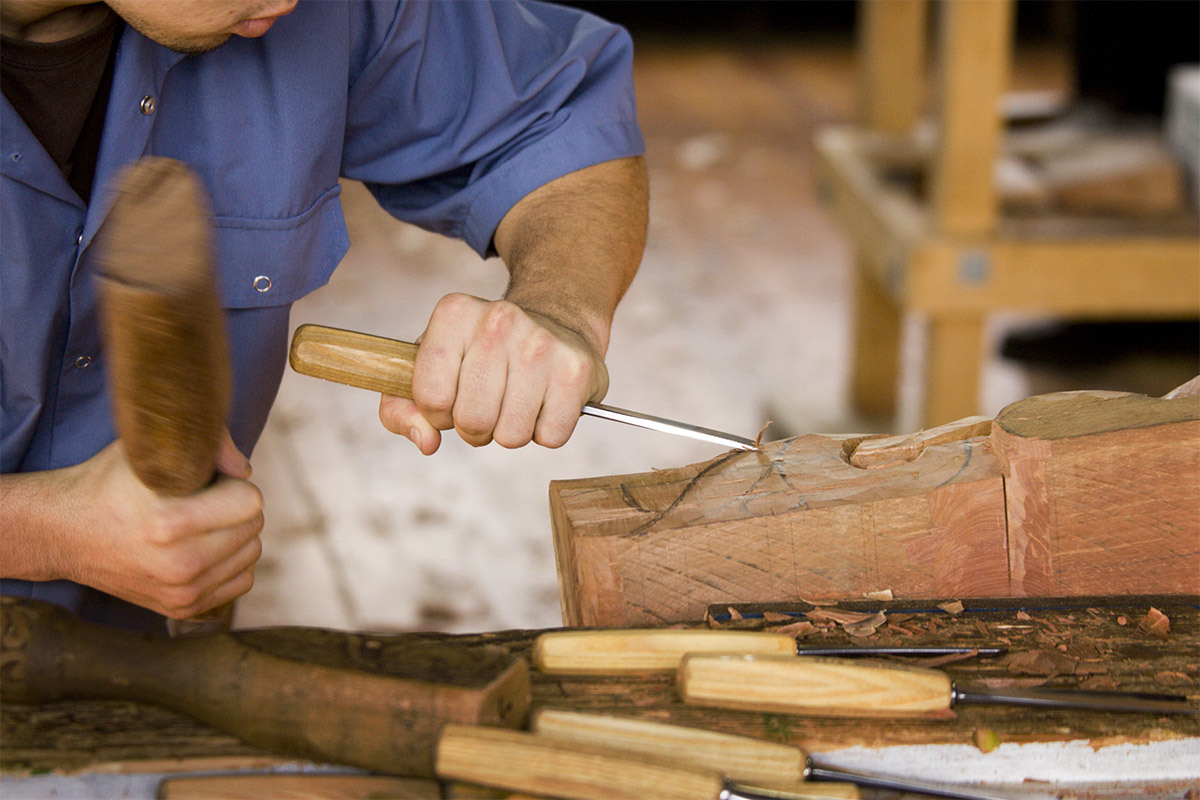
276	261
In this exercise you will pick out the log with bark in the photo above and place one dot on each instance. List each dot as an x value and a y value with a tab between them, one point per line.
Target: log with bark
1073	493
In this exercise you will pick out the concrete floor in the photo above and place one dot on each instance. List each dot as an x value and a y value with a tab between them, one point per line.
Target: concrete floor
740	313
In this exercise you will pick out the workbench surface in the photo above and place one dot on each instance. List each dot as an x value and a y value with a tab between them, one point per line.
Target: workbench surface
1096	643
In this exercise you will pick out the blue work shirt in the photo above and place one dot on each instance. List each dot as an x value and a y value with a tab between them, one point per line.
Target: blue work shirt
450	112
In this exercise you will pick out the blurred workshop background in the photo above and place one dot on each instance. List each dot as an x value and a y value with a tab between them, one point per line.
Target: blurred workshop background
826	250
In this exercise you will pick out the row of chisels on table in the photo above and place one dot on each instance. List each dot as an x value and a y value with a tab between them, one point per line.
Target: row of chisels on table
459	720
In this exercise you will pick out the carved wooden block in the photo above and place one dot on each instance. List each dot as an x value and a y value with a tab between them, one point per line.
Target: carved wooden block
1076	493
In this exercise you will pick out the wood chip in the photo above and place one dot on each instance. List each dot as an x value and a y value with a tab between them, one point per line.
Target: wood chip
1021	615
885	594
796	629
1040	662
866	627
986	740
953	608
1156	624
734	613
775	616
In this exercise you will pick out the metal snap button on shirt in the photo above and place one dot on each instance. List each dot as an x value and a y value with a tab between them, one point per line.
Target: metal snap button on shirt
147	105
262	284
83	362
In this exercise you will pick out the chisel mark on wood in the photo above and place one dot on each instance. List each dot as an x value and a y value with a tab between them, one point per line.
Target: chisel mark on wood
641	529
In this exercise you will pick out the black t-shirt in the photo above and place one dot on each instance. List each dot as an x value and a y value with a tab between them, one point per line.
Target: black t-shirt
60	89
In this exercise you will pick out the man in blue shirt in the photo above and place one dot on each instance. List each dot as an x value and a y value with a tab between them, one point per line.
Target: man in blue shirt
509	125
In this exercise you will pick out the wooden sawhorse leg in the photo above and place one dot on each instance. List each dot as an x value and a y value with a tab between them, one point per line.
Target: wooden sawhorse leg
953	364
877	325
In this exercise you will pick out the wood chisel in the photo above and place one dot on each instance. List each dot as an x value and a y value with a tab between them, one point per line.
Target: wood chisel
168	367
844	687
641	651
386	366
551	766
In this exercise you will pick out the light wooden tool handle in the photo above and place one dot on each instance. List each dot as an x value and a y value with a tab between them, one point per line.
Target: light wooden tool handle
355	359
525	762
743	759
739	758
645	650
822	686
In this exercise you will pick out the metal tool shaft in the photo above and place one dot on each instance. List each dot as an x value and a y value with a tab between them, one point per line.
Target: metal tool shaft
662	425
1081	699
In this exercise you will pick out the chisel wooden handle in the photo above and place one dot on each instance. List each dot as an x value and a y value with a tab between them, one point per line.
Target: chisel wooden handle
525	762
821	686
355	359
164	335
645	650
317	694
754	762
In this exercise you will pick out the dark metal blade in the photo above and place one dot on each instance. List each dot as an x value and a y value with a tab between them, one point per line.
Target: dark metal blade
1081	699
850	652
736	791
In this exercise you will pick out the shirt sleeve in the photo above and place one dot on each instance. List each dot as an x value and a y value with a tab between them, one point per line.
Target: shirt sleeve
460	109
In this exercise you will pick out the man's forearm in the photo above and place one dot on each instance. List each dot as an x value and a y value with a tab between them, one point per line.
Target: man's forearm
29	548
573	246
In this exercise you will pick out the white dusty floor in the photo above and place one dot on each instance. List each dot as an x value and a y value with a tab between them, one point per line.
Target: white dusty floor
740	312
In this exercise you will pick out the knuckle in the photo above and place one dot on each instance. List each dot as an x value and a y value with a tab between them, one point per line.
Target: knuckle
498	321
431	400
537	347
453	303
472	426
166	529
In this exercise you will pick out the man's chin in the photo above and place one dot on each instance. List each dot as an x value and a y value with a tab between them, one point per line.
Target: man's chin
195	47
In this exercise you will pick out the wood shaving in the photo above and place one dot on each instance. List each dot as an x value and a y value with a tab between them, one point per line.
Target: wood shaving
734	613
885	594
775	616
1040	662
1122	621
898	616
796	629
866	627
953	608
1021	615
1156	623
758	439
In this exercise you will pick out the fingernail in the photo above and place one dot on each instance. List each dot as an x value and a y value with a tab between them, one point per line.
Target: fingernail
415	435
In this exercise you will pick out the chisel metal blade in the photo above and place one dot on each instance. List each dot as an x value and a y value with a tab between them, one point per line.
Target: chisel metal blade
668	426
1075	698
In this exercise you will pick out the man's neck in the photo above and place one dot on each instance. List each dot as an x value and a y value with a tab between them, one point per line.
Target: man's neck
49	20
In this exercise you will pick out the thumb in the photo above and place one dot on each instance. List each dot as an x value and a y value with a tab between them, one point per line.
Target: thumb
401	415
230	460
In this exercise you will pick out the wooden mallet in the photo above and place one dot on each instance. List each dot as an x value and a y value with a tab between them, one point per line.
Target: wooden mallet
168	361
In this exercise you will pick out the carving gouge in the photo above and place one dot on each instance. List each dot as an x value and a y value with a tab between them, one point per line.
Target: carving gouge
771	768
841	687
549	766
640	651
386	366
